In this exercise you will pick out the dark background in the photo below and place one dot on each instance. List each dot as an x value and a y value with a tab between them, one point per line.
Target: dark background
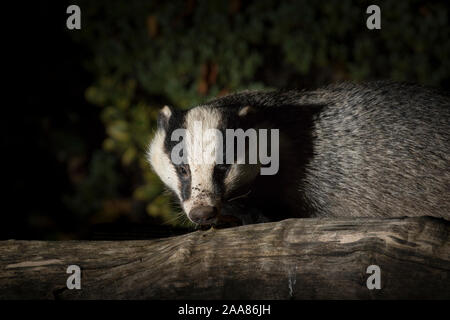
83	103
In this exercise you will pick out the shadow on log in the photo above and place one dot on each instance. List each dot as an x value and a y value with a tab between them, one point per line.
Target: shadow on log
291	259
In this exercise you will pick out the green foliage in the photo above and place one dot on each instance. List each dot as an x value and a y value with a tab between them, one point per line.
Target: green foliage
147	54
101	183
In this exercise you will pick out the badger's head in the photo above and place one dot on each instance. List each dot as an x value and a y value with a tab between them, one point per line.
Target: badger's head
190	165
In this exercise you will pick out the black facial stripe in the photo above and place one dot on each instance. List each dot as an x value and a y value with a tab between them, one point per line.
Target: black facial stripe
218	179
229	120
185	186
176	121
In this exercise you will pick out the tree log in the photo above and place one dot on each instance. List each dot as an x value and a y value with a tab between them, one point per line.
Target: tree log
291	259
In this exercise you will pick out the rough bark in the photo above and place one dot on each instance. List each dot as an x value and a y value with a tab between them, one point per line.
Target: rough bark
291	259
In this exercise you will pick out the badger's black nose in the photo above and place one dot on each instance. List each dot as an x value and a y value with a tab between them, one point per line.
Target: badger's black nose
203	214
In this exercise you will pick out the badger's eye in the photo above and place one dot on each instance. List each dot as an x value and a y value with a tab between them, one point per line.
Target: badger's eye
183	170
222	167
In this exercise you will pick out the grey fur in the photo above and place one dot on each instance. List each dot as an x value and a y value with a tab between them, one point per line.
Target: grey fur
380	150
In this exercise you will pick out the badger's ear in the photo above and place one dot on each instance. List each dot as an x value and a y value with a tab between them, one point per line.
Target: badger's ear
164	116
243	111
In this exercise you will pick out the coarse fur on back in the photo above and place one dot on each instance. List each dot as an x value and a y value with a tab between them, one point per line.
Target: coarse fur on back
379	149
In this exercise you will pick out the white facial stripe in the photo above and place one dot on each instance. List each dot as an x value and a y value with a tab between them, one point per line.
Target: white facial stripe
202	140
202	185
161	163
202	188
210	117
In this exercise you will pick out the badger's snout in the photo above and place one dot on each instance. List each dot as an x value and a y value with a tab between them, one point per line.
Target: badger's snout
203	214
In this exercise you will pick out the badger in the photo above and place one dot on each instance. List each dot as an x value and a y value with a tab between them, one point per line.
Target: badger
376	149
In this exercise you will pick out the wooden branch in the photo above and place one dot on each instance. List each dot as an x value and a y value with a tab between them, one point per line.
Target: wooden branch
291	259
